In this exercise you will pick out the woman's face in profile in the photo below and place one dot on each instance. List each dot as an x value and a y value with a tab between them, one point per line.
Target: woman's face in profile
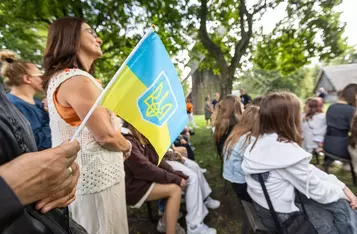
90	43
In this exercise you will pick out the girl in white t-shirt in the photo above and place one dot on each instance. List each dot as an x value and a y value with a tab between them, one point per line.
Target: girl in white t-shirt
313	126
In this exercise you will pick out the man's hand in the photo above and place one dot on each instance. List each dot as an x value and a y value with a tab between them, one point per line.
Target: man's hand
62	198
44	175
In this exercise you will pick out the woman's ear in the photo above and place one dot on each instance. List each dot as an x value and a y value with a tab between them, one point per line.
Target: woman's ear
26	79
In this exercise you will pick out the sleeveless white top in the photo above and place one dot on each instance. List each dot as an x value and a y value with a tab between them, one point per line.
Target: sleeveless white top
100	168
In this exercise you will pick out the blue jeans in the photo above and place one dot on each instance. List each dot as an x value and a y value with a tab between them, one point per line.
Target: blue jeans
162	204
333	218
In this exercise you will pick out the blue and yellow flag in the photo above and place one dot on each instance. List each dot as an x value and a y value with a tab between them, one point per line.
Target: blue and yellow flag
148	94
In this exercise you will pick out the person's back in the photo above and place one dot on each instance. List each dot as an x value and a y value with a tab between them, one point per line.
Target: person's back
245	99
232	170
314	132
313	125
189	107
285	166
338	119
288	167
227	116
38	118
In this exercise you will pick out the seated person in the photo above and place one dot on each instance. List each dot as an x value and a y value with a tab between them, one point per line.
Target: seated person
24	81
182	141
352	143
313	125
243	133
145	181
285	166
338	120
197	193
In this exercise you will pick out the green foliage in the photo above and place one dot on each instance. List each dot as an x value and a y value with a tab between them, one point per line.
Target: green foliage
260	82
350	56
120	24
311	29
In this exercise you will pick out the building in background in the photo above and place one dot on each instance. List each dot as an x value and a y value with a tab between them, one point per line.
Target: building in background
335	78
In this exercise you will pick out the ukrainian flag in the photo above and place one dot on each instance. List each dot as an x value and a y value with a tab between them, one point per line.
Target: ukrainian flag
148	94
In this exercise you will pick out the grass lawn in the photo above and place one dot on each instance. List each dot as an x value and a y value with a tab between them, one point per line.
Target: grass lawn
226	219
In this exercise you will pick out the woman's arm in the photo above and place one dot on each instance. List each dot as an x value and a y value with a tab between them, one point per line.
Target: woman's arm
314	183
143	169
80	93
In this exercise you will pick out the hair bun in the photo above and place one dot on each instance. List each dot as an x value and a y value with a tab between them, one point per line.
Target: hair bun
9	60
8	56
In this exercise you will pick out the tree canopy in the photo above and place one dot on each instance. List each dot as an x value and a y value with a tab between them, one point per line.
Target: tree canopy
120	24
226	32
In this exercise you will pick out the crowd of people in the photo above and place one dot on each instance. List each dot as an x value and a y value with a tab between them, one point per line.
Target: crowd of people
51	185
270	143
111	164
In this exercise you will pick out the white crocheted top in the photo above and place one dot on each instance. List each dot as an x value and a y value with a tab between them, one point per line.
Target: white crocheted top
100	168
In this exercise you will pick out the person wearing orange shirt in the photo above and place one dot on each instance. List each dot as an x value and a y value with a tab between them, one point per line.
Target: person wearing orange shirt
189	109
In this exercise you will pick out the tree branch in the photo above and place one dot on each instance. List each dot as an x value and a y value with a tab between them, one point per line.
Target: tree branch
211	47
261	7
245	18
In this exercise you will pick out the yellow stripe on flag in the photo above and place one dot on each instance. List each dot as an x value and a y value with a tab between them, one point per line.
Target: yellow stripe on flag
122	100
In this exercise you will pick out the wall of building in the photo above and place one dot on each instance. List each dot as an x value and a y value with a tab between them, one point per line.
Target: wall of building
204	83
326	84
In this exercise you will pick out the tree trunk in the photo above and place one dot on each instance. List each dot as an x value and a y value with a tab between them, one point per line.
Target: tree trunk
226	86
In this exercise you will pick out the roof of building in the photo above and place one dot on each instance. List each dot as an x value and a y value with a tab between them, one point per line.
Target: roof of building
340	75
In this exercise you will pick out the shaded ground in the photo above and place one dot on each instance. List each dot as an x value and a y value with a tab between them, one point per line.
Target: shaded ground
226	219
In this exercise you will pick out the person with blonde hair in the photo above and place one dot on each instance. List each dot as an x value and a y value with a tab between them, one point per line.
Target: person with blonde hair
229	112
243	133
23	79
285	168
72	47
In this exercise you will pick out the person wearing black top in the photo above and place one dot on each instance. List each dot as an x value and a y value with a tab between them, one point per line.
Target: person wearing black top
216	100
244	97
26	177
338	120
322	93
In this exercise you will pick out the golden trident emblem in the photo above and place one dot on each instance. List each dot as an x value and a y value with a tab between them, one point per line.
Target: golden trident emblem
154	102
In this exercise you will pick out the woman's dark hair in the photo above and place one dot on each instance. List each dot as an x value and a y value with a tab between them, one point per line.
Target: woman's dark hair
349	94
352	139
63	43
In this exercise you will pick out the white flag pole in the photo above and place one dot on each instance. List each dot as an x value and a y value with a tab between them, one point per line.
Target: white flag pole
110	84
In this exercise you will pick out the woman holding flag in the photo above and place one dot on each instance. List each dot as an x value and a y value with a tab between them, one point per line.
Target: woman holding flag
72	47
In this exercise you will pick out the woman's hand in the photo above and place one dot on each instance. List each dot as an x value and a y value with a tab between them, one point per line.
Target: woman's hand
183	183
128	153
350	197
